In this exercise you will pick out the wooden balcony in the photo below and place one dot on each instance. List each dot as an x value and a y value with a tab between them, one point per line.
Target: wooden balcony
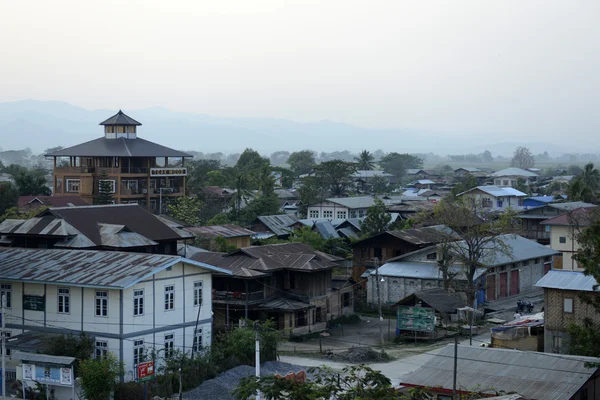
226	297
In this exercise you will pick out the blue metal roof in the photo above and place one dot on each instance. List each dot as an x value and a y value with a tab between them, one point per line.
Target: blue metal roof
567	280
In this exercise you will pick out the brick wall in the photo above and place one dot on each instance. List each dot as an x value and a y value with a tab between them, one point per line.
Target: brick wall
556	320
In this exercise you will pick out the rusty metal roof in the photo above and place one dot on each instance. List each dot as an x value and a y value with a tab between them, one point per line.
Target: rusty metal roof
227	231
86	268
95	225
254	261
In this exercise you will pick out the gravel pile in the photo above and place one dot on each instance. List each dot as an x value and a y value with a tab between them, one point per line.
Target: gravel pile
358	355
222	385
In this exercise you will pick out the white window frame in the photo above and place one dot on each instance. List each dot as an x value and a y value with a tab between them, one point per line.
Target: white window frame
6	334
327	214
100	349
198	286
197	342
64	300
313	214
126	183
169	345
101	303
138	302
6	289
68	189
341	214
169	297
138	353
568	305
114	184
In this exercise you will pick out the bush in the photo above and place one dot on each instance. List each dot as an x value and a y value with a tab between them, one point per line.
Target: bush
99	377
351	319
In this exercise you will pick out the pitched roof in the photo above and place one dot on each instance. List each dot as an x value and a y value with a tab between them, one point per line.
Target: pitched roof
119	147
370	174
579	216
120	118
256	260
533	375
517	248
417	236
326	229
567	280
278	224
90	226
86	268
437	298
421	270
497	191
227	231
52	201
513	171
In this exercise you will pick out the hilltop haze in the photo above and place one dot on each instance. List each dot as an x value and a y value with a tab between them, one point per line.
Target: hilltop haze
44	124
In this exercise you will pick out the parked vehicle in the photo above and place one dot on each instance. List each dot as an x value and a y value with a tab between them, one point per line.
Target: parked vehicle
524	306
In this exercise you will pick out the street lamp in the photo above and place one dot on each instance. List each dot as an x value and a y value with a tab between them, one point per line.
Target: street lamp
377	265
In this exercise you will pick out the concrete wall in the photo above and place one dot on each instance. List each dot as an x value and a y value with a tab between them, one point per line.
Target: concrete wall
397	288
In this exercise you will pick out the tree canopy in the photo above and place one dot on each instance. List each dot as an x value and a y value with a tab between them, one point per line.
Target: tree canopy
522	158
377	219
397	164
336	176
585	186
186	210
301	162
365	161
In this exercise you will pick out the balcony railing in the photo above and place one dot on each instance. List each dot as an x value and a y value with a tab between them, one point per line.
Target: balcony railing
238	297
75	170
166	192
125	191
134	170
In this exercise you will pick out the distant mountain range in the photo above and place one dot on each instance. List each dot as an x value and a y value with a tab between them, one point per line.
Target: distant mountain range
45	124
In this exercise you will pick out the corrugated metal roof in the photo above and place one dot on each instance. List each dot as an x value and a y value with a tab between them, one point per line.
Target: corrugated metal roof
88	268
326	229
120	118
347	233
42	358
513	171
370	174
497	191
51	201
423	236
421	270
567	280
437	298
227	231
517	248
536	376
284	304
279	224
120	147
579	216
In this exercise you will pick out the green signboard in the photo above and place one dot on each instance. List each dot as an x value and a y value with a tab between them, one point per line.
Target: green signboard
34	302
420	319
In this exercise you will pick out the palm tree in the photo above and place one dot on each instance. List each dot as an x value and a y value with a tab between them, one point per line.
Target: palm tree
364	161
242	193
585	186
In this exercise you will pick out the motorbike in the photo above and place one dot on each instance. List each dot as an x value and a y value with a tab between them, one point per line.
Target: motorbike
524	306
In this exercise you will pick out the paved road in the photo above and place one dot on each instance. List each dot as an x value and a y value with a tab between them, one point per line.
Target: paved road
394	369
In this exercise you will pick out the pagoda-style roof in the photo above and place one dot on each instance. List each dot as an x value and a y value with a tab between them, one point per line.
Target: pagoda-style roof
120	147
121	119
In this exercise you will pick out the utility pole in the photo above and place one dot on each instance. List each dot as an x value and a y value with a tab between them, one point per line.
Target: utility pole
471	329
377	264
257	370
3	347
455	366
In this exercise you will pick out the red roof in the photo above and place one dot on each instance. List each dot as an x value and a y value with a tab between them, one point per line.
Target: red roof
50	201
579	216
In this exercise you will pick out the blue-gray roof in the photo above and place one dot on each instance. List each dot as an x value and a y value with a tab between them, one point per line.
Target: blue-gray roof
421	270
497	191
517	248
567	280
513	171
326	229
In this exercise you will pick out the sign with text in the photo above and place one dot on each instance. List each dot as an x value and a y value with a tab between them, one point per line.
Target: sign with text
420	319
168	171
34	302
52	375
145	371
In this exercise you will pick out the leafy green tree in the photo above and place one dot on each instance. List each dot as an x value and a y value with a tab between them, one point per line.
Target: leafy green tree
307	236
219	219
356	382
301	162
279	158
336	175
466	183
312	191
522	186
479	232
79	346
241	195
377	219
365	161
487	156
251	161
265	204
585	338
9	195
216	178
397	164
237	347
105	190
522	158
585	186
186	210
265	180
380	185
31	182
199	174
99	376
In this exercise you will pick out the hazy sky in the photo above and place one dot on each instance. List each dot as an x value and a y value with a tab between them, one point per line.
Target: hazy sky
510	67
